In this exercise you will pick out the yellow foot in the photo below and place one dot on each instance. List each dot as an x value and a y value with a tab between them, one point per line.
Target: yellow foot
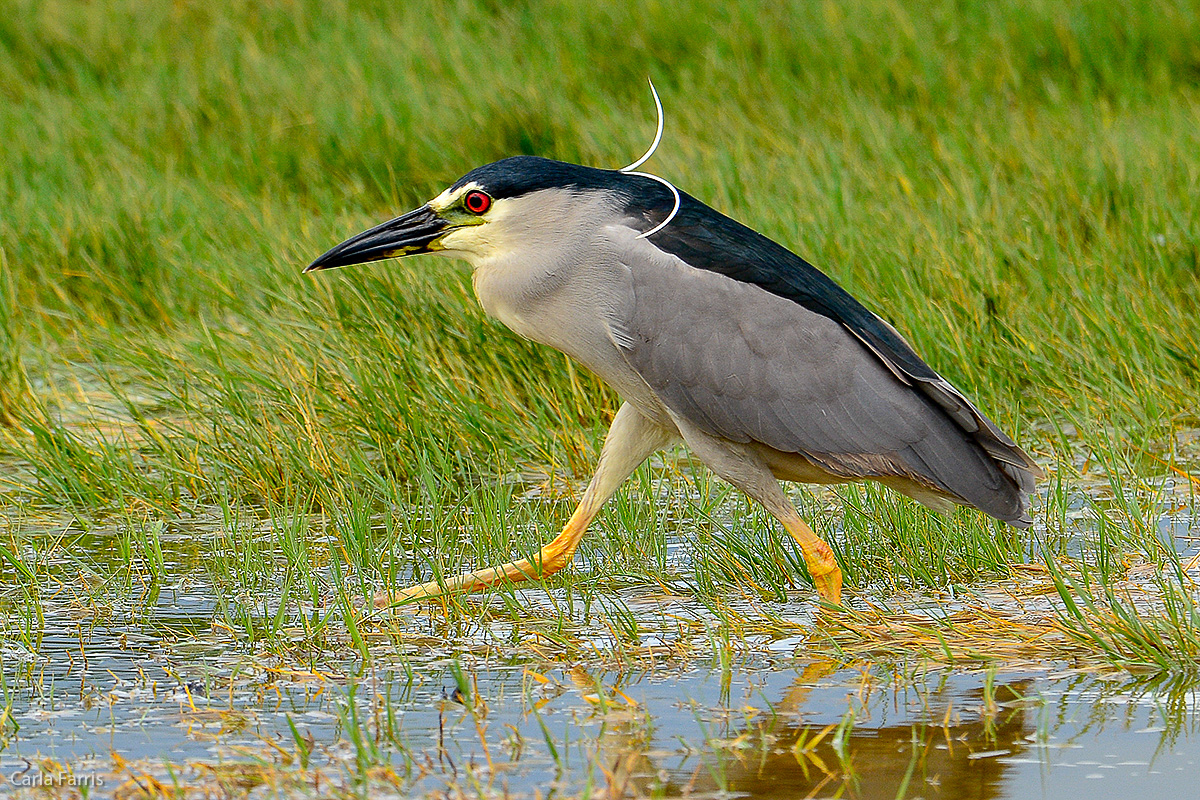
818	557
389	597
828	582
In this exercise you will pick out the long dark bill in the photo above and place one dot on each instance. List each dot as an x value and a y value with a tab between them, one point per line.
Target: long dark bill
402	236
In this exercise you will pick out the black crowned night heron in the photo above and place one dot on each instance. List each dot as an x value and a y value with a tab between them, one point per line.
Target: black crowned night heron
714	335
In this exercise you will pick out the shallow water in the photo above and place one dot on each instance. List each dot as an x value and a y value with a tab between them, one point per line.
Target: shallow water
119	686
760	728
169	687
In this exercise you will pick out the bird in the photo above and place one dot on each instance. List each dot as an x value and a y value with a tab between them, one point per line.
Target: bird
714	336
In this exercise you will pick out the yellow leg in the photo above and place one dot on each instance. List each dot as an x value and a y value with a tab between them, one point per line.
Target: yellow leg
630	441
744	467
550	559
818	557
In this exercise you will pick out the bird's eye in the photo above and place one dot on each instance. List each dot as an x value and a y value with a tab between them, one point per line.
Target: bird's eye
477	202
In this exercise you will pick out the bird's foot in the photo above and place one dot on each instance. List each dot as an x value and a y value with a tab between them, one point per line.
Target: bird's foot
389	598
827	578
818	557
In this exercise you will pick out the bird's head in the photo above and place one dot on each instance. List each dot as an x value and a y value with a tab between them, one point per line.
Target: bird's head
504	207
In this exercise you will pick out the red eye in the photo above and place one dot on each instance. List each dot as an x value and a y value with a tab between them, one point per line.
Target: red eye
477	202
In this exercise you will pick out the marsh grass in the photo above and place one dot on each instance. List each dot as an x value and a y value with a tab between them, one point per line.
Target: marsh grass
13	382
1152	628
1012	184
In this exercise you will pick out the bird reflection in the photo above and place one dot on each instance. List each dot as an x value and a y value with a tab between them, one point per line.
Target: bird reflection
954	745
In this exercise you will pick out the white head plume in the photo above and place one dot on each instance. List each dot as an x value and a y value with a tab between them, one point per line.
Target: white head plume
631	169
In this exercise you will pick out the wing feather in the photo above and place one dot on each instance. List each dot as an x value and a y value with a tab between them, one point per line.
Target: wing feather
708	240
750	366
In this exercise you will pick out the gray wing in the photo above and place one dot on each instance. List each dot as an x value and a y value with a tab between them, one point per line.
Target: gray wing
750	366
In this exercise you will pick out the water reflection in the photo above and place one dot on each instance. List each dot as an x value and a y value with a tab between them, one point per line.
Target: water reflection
946	741
160	676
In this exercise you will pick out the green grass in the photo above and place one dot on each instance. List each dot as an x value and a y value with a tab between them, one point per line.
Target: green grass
1012	184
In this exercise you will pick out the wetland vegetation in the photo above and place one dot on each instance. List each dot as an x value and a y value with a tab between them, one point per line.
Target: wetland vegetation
208	462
